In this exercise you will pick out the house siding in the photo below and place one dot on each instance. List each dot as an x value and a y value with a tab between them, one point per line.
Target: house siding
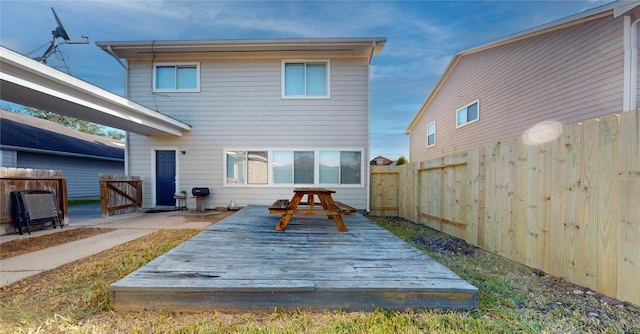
568	75
239	106
82	174
8	158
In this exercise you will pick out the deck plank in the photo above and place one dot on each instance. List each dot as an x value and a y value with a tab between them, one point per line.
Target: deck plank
242	263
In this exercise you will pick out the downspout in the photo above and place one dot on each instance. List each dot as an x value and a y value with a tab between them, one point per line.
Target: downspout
126	153
110	51
630	64
366	161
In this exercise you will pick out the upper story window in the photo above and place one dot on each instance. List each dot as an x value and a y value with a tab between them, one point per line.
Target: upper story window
305	79
176	77
468	114
431	134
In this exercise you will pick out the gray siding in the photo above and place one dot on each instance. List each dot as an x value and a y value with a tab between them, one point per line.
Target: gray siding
569	75
8	158
81	173
240	107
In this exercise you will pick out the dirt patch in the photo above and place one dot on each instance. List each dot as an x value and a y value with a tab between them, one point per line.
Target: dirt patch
396	220
22	246
446	246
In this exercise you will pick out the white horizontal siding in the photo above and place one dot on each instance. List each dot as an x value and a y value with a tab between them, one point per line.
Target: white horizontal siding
568	76
240	107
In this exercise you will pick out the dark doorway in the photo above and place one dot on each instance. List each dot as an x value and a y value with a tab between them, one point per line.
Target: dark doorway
165	178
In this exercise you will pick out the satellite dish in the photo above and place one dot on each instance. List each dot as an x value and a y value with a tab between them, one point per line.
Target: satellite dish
59	32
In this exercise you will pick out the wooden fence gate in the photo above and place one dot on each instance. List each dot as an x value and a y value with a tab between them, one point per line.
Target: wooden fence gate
120	194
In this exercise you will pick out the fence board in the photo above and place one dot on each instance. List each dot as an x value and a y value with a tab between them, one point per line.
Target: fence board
520	175
585	260
572	197
539	206
568	207
605	235
628	180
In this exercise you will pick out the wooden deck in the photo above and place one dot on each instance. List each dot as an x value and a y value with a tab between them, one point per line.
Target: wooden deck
242	263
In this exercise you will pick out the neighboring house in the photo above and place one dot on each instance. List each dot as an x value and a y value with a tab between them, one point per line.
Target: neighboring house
380	161
577	68
29	142
266	116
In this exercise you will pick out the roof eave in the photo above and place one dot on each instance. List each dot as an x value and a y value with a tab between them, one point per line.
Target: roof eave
342	47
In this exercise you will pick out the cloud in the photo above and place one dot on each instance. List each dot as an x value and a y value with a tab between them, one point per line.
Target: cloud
422	36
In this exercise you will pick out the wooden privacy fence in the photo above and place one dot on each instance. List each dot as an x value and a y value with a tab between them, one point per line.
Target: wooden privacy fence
13	179
570	207
120	194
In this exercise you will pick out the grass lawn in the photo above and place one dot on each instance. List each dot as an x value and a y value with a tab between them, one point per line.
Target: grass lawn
513	298
83	202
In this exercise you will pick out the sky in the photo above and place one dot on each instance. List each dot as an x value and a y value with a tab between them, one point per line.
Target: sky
422	38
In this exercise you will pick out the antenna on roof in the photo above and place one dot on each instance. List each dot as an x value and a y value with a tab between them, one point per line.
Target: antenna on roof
59	32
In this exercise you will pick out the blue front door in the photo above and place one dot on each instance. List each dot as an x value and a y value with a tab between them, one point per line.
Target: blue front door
165	177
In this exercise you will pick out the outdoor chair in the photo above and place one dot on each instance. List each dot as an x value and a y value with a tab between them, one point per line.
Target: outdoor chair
35	210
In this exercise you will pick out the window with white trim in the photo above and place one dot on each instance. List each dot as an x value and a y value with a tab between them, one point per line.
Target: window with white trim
431	134
294	167
468	114
340	167
247	167
176	77
305	79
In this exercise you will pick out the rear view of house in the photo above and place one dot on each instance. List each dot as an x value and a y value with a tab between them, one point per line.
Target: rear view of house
577	68
266	116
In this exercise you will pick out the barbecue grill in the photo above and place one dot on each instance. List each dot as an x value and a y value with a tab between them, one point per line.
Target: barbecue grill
200	192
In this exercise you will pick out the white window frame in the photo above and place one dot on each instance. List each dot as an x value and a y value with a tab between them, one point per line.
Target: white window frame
176	90
466	110
316	172
434	133
305	61
245	176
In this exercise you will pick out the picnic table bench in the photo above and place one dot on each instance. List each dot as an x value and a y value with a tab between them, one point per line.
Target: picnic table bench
326	206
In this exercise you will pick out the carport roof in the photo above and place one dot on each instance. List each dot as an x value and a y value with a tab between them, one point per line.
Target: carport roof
31	83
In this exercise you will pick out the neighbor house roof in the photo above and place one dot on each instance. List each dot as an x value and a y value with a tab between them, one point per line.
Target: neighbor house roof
246	49
32	83
614	9
380	161
25	133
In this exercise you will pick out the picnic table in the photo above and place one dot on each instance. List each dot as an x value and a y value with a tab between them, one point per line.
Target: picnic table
326	206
